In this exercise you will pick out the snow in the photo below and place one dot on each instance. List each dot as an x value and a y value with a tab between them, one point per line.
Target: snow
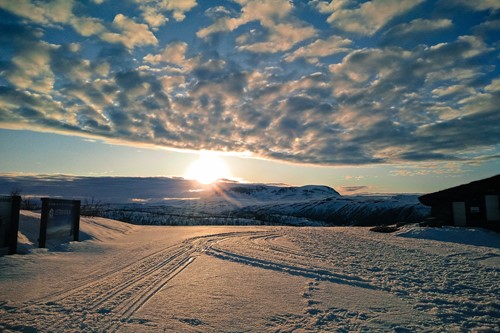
471	236
257	193
127	278
95	228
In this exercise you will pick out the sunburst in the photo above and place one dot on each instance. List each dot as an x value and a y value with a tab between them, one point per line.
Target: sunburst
207	169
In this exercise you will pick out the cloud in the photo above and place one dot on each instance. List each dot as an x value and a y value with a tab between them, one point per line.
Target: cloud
369	17
260	77
58	11
392	71
217	12
443	136
476	5
131	34
392	122
54	12
489	26
175	55
428	168
278	31
31	68
464	47
420	25
282	37
482	159
418	28
354	177
21	109
153	16
453	90
126	30
179	7
88	26
320	48
251	10
494	86
154	11
353	189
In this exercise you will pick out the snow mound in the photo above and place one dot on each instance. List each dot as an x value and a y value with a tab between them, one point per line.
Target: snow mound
91	229
461	235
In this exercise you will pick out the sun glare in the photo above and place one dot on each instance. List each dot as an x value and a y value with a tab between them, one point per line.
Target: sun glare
207	169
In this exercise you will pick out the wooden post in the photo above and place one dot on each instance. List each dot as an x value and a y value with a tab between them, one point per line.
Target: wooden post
76	220
43	222
14	224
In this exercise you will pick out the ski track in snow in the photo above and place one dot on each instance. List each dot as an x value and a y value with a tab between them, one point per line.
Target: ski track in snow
452	288
103	303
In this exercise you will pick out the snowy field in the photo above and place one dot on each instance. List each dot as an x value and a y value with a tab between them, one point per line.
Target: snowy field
127	278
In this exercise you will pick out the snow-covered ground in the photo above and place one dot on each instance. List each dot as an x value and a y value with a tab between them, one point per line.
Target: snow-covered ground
125	278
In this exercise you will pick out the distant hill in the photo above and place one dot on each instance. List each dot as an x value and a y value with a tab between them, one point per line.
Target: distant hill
164	200
266	193
359	210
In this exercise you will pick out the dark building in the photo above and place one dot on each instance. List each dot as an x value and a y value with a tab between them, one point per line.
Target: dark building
476	204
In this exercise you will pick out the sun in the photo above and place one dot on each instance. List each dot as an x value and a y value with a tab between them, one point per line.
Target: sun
207	169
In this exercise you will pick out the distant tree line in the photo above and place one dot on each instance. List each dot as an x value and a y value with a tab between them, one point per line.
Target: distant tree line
89	207
27	203
93	208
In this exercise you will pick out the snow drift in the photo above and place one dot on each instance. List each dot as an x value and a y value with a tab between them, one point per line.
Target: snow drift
91	229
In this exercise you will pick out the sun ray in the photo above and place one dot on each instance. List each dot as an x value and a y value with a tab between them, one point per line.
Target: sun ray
207	169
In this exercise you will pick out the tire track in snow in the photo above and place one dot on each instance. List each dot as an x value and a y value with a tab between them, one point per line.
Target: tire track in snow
267	255
308	272
273	252
269	242
106	301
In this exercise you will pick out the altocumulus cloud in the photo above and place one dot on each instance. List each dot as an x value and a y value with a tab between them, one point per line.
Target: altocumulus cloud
340	82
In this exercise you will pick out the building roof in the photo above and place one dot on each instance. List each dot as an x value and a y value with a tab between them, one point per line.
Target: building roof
463	192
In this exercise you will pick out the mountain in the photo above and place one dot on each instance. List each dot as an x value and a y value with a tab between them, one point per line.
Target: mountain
165	200
266	193
313	202
348	210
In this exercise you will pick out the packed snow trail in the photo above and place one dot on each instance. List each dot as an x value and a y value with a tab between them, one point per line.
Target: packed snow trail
126	278
102	302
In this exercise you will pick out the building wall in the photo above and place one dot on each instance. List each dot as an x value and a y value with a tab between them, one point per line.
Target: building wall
478	203
443	213
479	212
475	211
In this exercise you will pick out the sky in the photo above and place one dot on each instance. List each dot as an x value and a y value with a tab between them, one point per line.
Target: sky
364	96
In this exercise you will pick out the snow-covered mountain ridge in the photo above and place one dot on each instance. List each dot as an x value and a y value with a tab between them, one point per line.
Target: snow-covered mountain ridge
313	202
349	211
266	193
258	206
167	201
